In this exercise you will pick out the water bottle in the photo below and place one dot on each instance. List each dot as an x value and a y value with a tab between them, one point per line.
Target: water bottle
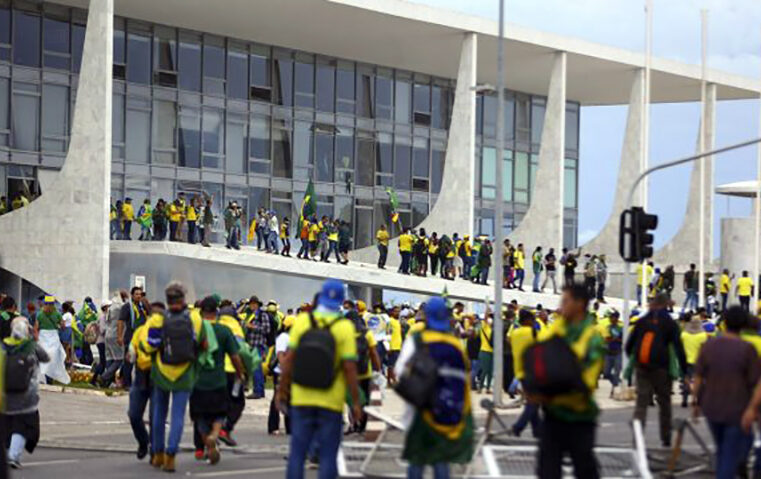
237	387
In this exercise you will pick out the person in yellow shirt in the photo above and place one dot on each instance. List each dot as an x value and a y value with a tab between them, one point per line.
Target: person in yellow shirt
314	236
519	265
433	252
365	374
191	214
643	279
744	290
316	411
140	390
405	249
381	238
612	332
486	355
693	338
285	237
522	337
128	216
725	286
175	216
394	333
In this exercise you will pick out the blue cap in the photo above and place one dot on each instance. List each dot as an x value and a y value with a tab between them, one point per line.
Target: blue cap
437	314
332	295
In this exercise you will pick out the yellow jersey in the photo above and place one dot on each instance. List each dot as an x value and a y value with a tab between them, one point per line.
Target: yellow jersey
128	211
175	213
314	230
725	284
520	339
744	286
692	343
520	259
395	333
371	343
344	334
382	237
486	338
405	243
191	214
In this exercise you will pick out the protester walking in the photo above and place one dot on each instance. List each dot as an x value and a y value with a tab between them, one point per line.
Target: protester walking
649	346
744	290
536	267
550	268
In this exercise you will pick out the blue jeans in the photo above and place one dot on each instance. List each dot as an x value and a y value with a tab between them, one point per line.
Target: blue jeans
259	379
160	405
115	233
520	274
732	445
467	264
333	248
139	394
272	242
405	266
612	369
232	237
127	230
691	300
259	238
304	249
537	276
530	415
484	275
322	426
475	368
440	471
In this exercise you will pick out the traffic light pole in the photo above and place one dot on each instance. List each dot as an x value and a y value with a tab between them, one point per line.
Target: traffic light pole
630	198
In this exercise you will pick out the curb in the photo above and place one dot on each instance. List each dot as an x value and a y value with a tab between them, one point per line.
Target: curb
81	392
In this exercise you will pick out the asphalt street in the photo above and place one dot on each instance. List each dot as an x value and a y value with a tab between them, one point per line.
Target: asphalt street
89	436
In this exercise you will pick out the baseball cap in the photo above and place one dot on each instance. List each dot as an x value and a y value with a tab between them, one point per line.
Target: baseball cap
332	295
48	300
437	314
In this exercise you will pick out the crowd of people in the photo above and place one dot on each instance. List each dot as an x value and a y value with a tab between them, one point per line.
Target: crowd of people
326	356
17	201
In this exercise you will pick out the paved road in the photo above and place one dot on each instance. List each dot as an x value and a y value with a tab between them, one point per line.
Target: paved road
89	436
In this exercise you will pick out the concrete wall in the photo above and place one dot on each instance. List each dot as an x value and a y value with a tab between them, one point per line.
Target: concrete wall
453	211
606	241
737	244
60	241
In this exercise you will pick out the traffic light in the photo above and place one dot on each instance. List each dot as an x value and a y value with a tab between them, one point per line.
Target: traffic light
635	241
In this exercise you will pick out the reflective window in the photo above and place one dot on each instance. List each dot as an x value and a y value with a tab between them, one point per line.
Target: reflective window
522	125
237	72
537	122
384	99
419	212
283	81
490	116
303	139
120	42
26	39
385	159
213	137
165	49
402	160
26	118
345	87
55	117
117	127
488	173
402	99
213	65
365	93
507	176
437	169
77	45
344	158
420	158
56	43
363	232
479	114
572	127
509	117
569	188
5	26
304	83
190	137
324	157
365	159
260	138
190	62
282	164
138	57
138	130
521	177
236	156
258	197
164	132
439	107
5	85
422	97
326	86
260	72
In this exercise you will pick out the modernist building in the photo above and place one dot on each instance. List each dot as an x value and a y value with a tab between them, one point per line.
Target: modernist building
248	101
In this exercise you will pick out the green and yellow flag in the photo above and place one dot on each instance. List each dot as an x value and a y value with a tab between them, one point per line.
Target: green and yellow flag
308	207
394	200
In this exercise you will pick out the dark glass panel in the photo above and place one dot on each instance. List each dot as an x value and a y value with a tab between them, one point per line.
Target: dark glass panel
402	160
437	170
5	24
190	137
259	139
282	164
213	59
365	159
165	45
260	67
440	107
119	43
190	63
303	150
490	116
384	100
402	100
385	155
26	39
326	87
56	35
363	232
365	93
324	157
420	158
77	45
304	83
283	81
345	88
237	74
138	58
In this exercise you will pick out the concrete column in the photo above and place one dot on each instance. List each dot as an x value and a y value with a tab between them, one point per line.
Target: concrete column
543	223
72	266
683	247
457	193
606	241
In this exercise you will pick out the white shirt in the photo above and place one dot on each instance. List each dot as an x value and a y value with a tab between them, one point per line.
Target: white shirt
67	319
273	224
281	346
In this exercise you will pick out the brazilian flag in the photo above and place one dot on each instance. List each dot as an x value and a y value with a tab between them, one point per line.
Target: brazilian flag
394	200
308	207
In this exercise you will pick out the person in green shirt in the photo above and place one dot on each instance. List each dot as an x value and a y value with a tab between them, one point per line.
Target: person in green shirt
85	316
8	311
209	402
49	318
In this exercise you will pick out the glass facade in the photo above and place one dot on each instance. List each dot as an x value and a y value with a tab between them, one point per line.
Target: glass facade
524	120
197	112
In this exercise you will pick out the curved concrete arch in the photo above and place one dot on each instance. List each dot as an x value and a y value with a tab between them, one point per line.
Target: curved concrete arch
606	241
60	241
683	248
453	210
543	222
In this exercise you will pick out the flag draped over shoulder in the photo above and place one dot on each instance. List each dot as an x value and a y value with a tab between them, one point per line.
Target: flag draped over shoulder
308	207
394	200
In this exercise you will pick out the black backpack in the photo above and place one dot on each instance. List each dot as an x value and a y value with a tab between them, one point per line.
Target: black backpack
363	347
551	368
314	362
19	369
417	383
178	339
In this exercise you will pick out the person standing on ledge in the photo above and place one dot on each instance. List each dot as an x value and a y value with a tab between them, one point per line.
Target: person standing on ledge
744	291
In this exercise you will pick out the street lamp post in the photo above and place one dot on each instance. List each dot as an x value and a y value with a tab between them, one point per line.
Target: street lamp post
499	327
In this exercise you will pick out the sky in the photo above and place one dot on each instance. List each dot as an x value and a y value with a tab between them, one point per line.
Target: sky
734	45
